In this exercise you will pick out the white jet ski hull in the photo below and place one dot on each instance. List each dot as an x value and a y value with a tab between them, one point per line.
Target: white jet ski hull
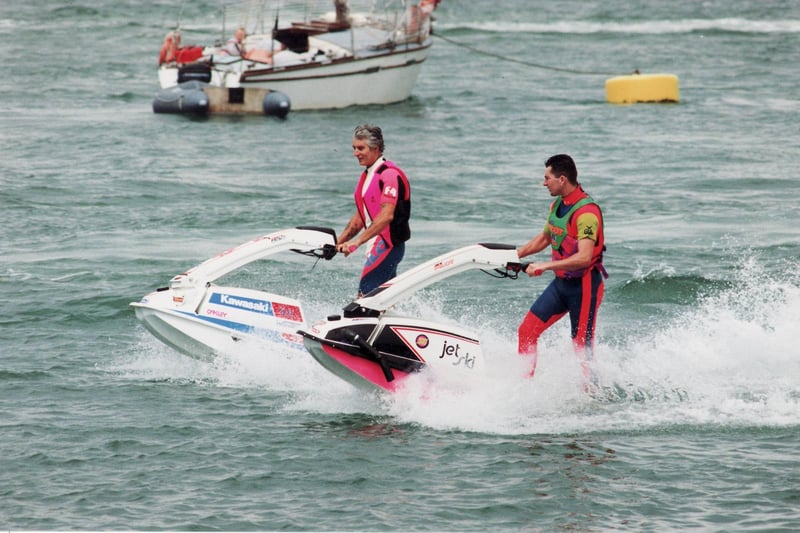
373	348
201	319
220	325
381	353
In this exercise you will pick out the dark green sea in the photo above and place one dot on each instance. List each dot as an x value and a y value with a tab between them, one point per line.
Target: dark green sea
102	427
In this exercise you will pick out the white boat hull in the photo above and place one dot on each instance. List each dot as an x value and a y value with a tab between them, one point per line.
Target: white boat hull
375	80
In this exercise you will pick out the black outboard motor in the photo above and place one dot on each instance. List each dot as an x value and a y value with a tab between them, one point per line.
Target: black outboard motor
194	72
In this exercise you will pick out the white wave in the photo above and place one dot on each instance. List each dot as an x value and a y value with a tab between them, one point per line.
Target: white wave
275	367
732	360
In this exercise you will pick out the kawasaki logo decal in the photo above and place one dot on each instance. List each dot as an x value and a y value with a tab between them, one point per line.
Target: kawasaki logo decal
241	302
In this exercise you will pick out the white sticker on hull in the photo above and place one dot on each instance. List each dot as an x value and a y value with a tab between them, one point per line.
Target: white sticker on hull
440	348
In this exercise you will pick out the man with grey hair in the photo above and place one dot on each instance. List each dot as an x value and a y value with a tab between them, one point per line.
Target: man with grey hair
383	207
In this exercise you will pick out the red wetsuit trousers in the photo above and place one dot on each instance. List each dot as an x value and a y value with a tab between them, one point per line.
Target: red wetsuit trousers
581	298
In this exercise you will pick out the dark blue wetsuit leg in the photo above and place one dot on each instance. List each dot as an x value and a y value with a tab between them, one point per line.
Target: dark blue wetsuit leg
381	265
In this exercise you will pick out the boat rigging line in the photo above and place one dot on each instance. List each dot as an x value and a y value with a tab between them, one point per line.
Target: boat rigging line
519	61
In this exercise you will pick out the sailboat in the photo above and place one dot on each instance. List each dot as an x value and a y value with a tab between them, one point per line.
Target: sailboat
370	53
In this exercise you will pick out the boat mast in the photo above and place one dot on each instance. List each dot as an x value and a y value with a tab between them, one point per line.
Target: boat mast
180	15
224	15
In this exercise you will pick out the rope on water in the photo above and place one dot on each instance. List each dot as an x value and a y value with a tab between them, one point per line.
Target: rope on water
521	62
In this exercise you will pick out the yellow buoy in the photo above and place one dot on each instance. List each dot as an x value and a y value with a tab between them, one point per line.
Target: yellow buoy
642	88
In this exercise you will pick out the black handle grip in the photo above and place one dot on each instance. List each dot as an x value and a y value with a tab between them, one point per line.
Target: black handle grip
517	267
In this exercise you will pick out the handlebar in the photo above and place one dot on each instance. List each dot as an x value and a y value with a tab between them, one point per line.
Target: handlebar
522	267
326	252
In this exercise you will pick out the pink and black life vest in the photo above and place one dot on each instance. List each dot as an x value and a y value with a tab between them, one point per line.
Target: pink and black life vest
398	230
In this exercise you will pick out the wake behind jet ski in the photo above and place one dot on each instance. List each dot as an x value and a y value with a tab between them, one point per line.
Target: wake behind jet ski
201	319
373	347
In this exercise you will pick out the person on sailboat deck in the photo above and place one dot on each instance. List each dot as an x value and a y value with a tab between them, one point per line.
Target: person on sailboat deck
383	208
575	233
170	47
235	45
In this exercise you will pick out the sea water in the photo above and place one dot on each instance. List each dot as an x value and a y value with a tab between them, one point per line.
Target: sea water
104	427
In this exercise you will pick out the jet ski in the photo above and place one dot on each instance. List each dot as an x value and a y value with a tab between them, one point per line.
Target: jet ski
200	319
373	347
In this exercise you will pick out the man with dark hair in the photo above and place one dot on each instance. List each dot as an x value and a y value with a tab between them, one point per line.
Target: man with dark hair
574	232
383	207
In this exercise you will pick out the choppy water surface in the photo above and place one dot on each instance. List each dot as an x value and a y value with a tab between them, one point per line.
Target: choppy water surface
103	427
